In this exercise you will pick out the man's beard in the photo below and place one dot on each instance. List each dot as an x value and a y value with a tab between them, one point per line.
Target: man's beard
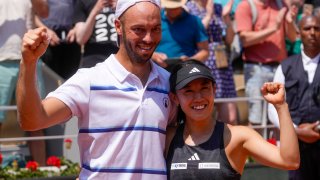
133	55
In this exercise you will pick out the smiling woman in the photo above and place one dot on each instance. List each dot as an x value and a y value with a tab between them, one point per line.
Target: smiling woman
203	148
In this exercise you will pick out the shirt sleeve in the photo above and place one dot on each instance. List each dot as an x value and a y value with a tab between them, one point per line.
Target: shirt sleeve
272	113
243	17
202	33
74	93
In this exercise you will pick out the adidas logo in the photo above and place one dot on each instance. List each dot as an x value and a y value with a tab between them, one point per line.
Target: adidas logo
194	157
193	70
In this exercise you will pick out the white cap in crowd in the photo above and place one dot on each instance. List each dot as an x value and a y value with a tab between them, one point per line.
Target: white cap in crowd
123	5
171	4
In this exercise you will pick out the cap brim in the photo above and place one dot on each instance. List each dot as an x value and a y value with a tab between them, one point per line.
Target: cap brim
186	81
173	5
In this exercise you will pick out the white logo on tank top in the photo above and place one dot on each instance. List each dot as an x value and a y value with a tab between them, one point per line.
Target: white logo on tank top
194	157
179	166
209	166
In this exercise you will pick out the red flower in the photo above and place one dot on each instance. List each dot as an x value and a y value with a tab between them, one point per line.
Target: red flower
272	141
68	140
68	143
54	161
0	159
32	165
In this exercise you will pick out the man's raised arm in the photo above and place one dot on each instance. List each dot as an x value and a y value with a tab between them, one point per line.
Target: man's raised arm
33	113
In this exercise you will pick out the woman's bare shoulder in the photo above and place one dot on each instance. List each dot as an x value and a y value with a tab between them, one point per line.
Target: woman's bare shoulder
239	132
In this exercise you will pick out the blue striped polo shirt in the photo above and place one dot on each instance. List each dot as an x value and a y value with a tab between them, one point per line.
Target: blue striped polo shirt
122	124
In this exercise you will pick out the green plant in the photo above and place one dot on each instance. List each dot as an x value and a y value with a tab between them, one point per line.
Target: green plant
57	167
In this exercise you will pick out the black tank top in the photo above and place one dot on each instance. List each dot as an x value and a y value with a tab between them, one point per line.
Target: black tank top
205	161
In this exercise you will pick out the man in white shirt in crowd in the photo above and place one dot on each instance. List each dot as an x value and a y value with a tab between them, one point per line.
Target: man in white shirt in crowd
301	75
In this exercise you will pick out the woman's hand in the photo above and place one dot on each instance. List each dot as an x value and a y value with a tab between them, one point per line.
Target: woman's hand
274	93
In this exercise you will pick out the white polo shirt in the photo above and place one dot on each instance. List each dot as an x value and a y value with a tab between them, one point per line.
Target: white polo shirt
122	124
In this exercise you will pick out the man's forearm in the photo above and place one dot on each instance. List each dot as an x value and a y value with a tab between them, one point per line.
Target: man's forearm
28	98
201	55
291	31
249	38
85	29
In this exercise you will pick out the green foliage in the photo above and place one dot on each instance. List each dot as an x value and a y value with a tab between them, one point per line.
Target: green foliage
72	168
68	168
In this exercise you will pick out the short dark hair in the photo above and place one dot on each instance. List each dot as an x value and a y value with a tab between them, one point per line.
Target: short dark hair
313	15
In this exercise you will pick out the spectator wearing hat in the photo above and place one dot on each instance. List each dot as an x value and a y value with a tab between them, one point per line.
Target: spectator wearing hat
183	35
122	104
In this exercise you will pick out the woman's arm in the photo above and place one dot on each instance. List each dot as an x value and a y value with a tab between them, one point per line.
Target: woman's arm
230	32
287	155
203	51
209	14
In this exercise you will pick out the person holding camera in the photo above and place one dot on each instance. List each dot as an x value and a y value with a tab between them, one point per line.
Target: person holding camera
183	36
301	75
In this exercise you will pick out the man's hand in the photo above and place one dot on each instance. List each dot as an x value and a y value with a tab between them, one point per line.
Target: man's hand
55	40
307	132
292	13
34	44
112	4
210	9
280	17
227	8
274	93
71	37
160	58
100	4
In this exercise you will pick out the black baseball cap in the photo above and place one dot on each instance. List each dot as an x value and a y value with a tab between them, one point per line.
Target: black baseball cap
187	71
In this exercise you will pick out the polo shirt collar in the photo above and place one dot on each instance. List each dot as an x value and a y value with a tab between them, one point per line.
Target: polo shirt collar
121	74
154	74
307	60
